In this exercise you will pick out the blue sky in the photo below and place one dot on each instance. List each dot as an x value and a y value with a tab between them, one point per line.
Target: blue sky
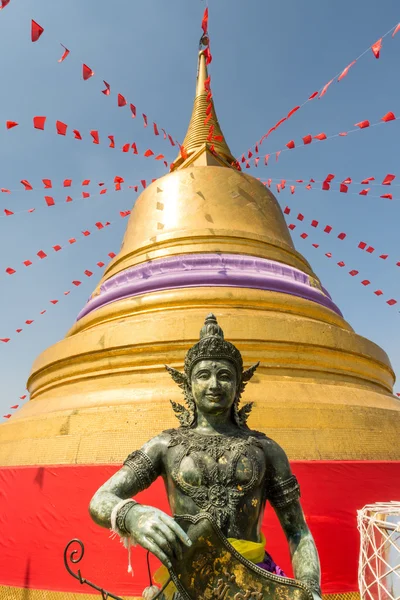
268	57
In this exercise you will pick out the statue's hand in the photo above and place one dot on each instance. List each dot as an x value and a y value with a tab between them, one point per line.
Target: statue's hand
156	531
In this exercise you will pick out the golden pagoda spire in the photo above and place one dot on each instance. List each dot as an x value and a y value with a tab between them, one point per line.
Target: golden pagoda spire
196	141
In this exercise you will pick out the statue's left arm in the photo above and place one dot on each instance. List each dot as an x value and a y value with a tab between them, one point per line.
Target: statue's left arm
283	493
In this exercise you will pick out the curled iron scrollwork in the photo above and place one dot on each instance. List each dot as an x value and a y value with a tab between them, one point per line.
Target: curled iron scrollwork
74	556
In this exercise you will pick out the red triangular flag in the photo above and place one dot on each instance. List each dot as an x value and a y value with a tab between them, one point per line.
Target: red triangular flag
87	72
325	88
376	48
65	54
11	124
290	145
290	113
346	70
36	31
106	92
388	179
204	23
95	136
362	124
26	185
393	34
38	122
61	128
121	100
390	116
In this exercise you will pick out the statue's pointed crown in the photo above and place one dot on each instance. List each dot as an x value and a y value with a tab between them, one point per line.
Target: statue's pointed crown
211	346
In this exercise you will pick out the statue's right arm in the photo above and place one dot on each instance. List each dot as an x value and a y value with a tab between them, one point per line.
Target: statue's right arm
148	526
138	472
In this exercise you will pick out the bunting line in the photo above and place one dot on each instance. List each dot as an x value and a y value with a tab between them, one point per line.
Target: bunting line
326	186
49	200
41	254
307	140
87	73
39	123
66	183
375	48
75	282
342	264
341	236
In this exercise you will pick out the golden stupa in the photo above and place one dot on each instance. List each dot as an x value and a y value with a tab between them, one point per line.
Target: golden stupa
205	237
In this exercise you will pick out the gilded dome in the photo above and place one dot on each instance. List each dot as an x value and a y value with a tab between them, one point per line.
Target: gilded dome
206	209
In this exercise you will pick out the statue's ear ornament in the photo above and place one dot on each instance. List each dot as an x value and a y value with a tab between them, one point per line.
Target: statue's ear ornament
248	373
177	376
243	414
184	416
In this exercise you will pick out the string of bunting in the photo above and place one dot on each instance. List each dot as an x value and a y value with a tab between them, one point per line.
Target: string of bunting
341	236
375	48
342	264
343	186
66	183
39	122
41	254
87	73
308	139
76	283
50	201
387	180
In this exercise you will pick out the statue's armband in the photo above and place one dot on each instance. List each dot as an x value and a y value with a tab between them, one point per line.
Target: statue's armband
141	465
284	492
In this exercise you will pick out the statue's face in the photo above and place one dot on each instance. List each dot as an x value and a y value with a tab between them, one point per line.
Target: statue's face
214	384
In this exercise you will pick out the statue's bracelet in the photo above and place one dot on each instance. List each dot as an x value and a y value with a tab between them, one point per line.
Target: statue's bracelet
121	517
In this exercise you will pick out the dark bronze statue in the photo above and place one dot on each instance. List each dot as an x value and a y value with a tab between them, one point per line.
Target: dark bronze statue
214	466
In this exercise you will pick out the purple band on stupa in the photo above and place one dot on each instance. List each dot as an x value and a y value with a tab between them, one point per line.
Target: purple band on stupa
202	270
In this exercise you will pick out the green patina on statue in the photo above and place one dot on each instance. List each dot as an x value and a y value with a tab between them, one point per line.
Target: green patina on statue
212	465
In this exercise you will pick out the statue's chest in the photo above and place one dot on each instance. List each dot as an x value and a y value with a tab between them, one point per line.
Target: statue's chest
216	472
232	469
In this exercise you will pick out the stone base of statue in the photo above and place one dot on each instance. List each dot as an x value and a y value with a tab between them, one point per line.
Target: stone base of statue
213	570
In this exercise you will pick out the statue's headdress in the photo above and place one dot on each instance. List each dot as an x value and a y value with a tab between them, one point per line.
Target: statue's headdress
211	346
